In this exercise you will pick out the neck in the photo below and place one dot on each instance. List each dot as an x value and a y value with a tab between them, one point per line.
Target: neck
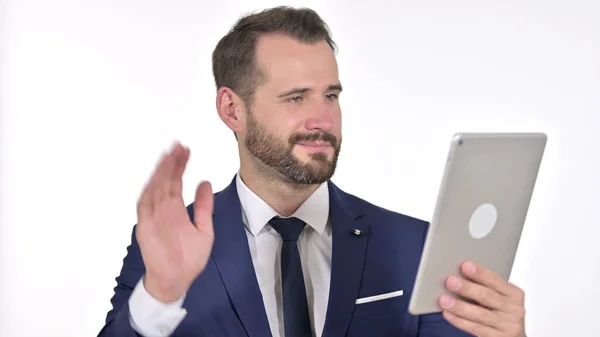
284	197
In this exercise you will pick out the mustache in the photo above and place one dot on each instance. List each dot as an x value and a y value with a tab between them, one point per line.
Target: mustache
313	137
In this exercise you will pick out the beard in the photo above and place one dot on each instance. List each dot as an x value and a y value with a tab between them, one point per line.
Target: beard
277	154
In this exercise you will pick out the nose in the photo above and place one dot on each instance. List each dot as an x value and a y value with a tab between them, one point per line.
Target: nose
320	119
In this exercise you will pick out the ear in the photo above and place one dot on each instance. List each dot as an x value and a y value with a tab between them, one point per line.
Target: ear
231	109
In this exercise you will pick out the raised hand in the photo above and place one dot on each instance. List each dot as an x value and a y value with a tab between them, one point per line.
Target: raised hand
175	250
499	305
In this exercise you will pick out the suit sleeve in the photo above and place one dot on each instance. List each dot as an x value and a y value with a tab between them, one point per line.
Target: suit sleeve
135	313
435	325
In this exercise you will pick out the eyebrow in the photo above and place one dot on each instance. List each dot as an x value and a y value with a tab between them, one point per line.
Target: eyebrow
337	87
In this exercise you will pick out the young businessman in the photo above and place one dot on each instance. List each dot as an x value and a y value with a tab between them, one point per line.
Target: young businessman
282	251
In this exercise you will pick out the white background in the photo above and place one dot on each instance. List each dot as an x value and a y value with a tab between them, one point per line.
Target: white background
92	91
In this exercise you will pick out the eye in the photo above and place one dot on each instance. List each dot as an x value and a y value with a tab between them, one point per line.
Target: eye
331	97
295	99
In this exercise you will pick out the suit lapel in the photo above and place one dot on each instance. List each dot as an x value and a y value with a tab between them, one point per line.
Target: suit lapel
234	262
347	261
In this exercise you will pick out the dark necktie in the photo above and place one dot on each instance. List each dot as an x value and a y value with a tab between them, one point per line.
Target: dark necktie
296	319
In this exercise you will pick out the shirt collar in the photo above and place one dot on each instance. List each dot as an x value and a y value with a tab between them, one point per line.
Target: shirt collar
314	211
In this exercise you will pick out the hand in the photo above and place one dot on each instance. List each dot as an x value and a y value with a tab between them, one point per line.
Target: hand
499	305
174	250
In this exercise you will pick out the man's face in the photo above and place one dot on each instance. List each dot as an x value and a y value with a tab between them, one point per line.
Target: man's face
294	125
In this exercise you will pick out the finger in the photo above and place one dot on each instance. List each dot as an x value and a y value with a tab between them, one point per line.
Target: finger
160	183
144	208
471	312
151	192
158	187
514	314
493	281
471	327
203	207
485	296
181	155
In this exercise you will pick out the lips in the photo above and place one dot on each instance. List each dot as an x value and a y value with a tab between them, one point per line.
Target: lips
318	147
319	140
315	144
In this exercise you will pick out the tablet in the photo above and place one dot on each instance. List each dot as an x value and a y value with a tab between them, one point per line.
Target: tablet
480	211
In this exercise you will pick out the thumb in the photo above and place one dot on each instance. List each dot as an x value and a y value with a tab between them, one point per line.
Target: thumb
203	207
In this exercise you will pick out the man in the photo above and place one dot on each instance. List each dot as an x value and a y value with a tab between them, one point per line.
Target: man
282	251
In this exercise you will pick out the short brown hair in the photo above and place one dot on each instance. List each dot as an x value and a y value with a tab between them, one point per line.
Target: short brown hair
234	63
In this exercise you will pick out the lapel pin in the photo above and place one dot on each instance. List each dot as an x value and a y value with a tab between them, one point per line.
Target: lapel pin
357	232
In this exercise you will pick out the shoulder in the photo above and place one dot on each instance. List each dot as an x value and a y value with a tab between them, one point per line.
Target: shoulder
395	239
383	219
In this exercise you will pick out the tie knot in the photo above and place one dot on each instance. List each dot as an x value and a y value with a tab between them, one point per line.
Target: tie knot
288	228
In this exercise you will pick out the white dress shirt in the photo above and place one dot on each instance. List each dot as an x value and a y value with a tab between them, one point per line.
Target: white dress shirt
151	318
